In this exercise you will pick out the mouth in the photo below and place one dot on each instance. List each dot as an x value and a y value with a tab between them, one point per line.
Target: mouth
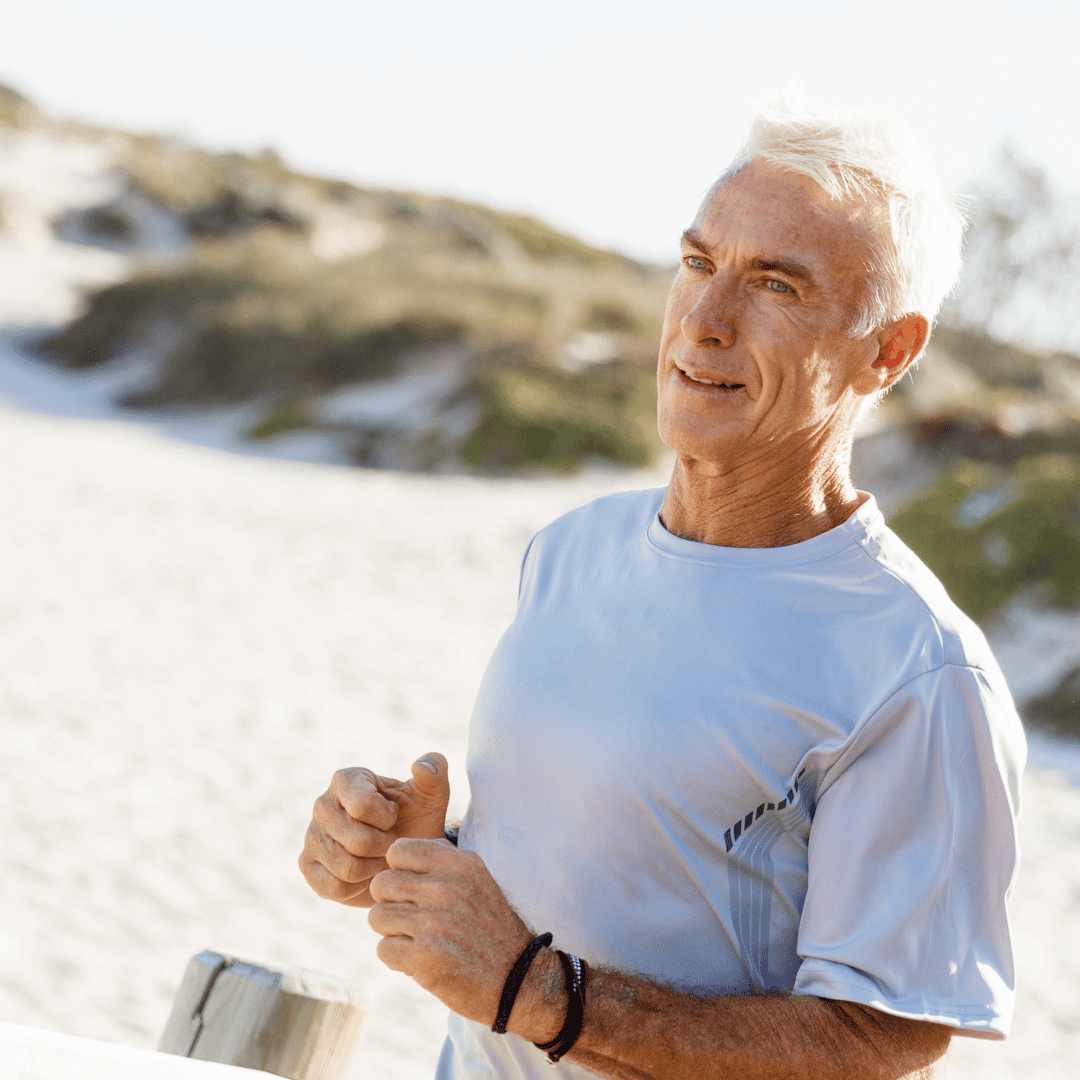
718	384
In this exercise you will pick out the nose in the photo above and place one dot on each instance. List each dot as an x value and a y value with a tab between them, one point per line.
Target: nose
711	321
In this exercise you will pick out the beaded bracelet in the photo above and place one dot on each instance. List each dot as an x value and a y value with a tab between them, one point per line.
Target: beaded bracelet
576	971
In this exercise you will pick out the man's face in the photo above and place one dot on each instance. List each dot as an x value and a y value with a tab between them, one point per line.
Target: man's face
755	356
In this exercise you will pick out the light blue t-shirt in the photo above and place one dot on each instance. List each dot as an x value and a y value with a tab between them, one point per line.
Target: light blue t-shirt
790	768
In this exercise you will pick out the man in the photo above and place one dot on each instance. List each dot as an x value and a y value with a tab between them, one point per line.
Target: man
738	750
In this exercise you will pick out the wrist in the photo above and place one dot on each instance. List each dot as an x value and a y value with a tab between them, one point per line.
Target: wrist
540	1007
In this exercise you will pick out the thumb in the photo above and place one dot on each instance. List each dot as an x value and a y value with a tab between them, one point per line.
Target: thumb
431	779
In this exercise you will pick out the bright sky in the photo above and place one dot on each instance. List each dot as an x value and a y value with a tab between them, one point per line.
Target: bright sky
607	117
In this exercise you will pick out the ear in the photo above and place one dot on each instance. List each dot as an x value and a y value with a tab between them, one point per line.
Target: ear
899	345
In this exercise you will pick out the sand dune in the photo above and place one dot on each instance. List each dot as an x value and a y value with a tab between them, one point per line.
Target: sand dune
194	641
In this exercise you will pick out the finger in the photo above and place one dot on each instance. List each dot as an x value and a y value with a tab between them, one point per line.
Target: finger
363	841
341	863
418	856
392	920
397	953
396	887
324	884
357	792
431	780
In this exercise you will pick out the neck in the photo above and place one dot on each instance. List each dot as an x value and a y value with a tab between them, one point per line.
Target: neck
789	495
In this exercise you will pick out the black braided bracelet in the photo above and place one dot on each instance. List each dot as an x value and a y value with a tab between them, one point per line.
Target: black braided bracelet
515	979
576	971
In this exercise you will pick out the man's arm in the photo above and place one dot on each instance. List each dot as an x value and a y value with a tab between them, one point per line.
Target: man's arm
446	923
635	1029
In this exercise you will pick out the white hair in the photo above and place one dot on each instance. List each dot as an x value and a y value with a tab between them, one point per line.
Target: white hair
873	158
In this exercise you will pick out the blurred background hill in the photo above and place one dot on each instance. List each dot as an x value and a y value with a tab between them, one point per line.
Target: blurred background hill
405	331
393	329
397	330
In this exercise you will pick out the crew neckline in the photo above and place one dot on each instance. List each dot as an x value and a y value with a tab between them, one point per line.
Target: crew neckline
854	530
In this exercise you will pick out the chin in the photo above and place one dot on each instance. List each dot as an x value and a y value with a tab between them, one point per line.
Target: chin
701	442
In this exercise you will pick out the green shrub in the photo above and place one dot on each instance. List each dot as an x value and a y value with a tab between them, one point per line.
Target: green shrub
989	531
124	315
289	416
555	420
1058	710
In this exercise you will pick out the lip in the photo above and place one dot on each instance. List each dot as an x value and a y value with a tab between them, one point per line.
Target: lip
710	381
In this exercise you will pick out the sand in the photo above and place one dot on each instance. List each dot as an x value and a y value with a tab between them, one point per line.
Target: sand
194	641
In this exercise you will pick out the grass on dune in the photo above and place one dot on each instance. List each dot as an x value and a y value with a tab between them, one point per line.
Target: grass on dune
257	317
989	531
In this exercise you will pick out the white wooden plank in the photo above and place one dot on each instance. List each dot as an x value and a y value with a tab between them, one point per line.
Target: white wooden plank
30	1054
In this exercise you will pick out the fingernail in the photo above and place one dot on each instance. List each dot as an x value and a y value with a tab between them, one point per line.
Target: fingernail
428	765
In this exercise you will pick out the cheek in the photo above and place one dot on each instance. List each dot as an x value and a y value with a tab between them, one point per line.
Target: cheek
820	379
669	338
680	300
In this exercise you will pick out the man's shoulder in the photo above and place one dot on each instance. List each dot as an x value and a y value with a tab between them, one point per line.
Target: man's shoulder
625	513
931	611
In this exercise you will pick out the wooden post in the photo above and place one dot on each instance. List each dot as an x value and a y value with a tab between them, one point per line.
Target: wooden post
294	1023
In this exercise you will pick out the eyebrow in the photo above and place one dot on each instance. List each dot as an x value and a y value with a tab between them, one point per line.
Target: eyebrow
791	268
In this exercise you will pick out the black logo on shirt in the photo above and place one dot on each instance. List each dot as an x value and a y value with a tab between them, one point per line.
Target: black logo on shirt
731	836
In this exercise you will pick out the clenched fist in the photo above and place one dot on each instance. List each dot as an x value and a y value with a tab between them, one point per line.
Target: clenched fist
445	922
360	816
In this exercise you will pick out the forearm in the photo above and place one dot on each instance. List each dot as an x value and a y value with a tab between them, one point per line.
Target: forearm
445	922
638	1030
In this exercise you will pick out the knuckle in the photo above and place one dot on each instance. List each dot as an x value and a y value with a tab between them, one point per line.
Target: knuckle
347	780
391	951
325	881
325	814
353	846
320	883
337	890
359	804
381	918
381	884
442	894
353	777
346	868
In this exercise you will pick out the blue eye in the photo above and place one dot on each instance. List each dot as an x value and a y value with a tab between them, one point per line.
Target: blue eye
778	286
697	264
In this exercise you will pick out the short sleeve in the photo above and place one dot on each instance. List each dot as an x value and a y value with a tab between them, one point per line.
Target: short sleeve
912	856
